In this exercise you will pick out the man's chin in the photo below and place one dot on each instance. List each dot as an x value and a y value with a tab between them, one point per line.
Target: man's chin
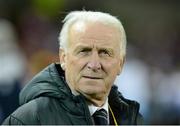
96	100
93	91
95	97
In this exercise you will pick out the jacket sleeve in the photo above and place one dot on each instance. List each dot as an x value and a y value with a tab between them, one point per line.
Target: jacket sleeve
140	119
11	120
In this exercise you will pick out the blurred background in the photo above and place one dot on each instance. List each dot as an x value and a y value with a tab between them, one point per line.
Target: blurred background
28	42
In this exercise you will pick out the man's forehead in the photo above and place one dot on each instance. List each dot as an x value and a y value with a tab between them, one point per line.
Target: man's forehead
93	45
93	33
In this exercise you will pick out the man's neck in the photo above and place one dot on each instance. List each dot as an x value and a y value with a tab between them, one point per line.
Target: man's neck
93	108
90	99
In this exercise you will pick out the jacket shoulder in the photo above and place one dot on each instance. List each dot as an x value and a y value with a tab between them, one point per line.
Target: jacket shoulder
25	114
42	110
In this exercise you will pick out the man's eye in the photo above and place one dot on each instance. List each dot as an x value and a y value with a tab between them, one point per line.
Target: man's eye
84	51
104	53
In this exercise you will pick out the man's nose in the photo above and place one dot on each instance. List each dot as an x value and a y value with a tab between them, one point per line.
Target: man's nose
94	62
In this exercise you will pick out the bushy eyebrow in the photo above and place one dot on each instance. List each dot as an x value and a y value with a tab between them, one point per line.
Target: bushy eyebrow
80	47
107	49
84	47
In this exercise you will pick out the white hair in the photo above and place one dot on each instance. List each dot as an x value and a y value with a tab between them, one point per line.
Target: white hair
90	16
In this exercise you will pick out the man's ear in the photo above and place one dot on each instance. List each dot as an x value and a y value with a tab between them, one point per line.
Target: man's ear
121	64
62	56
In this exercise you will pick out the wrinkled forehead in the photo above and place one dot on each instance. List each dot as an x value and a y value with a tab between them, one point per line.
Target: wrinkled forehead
94	34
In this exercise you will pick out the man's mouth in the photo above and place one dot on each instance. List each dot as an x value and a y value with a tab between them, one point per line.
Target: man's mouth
91	77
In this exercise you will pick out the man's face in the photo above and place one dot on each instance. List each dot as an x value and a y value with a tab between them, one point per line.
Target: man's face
92	60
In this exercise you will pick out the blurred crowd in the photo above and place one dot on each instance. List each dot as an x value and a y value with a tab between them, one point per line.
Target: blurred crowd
28	42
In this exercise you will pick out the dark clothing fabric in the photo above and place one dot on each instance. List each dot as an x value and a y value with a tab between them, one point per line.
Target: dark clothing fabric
100	117
9	100
47	99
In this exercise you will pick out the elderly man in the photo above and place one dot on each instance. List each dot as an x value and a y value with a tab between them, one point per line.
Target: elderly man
81	90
